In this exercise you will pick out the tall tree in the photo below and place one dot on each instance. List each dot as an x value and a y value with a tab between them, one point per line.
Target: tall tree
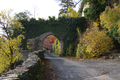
95	8
71	13
110	20
22	15
9	46
65	5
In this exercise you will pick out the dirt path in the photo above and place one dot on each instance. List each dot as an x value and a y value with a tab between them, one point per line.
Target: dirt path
83	70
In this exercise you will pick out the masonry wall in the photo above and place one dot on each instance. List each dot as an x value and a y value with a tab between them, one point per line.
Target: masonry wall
30	60
25	54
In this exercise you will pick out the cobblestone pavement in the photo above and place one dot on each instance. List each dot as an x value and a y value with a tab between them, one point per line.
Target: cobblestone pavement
84	70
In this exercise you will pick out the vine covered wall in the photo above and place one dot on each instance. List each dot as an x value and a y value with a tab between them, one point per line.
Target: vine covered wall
63	28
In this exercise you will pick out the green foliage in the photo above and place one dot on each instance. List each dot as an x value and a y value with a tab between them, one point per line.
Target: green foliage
57	47
110	20
113	33
81	8
22	15
70	50
36	44
67	51
95	8
81	52
61	27
65	4
78	30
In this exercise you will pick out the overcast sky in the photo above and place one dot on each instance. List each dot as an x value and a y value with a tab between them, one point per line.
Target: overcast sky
42	8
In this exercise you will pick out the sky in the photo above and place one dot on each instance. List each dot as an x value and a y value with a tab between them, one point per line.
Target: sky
42	8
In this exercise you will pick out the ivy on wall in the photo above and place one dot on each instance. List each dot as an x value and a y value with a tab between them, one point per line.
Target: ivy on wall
63	28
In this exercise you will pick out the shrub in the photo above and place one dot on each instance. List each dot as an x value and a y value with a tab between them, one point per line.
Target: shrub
56	47
29	45
94	43
80	51
71	51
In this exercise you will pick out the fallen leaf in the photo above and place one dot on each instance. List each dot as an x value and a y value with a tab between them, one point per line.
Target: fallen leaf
102	69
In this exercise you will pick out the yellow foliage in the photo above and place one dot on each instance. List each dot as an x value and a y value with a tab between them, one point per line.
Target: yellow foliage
29	45
71	13
96	24
110	16
96	42
5	52
56	46
9	47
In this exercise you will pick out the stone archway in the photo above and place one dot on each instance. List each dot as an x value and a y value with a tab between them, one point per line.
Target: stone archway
41	38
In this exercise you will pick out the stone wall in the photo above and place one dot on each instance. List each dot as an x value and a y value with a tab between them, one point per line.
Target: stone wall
25	54
20	69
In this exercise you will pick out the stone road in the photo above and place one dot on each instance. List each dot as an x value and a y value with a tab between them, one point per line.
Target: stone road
84	70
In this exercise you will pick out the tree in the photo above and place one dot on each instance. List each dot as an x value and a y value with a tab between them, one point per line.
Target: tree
95	8
56	46
22	15
94	43
9	47
71	13
52	39
110	20
65	5
110	17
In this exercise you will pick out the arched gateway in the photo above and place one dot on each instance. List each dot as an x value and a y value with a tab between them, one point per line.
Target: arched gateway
41	39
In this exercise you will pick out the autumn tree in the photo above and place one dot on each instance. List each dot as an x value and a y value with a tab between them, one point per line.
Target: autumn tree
110	20
65	5
71	13
9	47
94	43
52	39
56	46
110	17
